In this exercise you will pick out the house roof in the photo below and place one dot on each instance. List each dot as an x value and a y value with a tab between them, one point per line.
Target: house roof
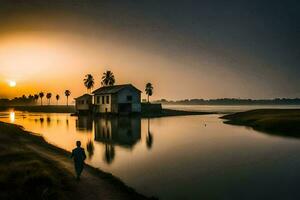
83	96
114	89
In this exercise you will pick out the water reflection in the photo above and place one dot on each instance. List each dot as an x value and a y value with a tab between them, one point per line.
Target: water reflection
48	121
41	120
149	137
122	131
12	117
90	148
67	123
109	153
111	131
84	123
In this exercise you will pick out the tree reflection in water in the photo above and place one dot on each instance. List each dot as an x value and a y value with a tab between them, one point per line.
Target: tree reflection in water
122	131
117	131
109	153
149	137
90	148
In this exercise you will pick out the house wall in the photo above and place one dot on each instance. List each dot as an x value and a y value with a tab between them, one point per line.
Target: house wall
102	107
135	101
114	103
83	103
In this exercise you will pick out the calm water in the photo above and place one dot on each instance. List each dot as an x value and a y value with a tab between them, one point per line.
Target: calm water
227	108
190	157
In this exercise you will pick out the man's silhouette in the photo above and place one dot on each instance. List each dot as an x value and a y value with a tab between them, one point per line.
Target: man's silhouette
79	156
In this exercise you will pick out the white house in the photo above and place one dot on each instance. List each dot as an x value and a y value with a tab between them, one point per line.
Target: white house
117	99
84	103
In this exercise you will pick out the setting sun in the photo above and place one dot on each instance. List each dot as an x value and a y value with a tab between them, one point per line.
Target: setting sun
12	83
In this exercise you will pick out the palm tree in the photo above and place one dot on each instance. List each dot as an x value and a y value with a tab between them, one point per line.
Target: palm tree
108	78
31	98
67	93
149	90
89	82
57	98
41	95
48	96
36	97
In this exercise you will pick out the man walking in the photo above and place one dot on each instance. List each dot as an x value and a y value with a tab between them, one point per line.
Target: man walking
79	156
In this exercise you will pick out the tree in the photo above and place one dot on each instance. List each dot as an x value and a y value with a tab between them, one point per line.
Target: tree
149	90
41	95
89	82
57	98
108	79
30	99
67	93
48	96
36	97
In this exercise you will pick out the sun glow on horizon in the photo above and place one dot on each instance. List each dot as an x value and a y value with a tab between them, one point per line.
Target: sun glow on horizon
12	117
12	83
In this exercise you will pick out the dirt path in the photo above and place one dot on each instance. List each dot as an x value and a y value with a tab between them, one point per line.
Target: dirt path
90	186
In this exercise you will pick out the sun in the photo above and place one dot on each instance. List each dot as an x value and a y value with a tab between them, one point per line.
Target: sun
12	83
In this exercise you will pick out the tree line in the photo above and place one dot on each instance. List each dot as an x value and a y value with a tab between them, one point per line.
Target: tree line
107	79
33	99
233	101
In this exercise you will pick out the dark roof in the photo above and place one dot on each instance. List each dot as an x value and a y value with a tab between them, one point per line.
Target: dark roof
83	96
114	89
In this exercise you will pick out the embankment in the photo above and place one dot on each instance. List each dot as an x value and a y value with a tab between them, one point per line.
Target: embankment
284	122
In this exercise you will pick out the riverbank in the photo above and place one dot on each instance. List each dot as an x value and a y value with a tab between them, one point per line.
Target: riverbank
30	168
284	122
44	109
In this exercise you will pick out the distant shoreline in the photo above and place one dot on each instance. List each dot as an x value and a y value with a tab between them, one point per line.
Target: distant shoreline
232	101
283	122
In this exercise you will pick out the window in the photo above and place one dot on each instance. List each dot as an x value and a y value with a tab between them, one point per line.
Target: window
103	100
129	98
98	99
107	99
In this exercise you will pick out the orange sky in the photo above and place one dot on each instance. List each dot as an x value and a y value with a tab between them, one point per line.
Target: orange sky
53	62
50	47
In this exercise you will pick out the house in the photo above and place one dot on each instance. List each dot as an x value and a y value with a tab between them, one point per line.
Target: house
117	99
84	104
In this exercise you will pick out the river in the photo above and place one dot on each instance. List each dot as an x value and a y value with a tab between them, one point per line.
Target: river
186	157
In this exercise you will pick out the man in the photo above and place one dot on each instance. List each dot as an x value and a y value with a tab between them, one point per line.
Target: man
79	156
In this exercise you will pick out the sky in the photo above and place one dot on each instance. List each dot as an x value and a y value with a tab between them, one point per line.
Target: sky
186	49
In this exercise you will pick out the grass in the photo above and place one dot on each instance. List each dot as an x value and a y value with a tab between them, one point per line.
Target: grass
284	122
26	175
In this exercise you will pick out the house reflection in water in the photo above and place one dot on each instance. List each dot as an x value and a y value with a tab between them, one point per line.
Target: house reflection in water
84	123
120	131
